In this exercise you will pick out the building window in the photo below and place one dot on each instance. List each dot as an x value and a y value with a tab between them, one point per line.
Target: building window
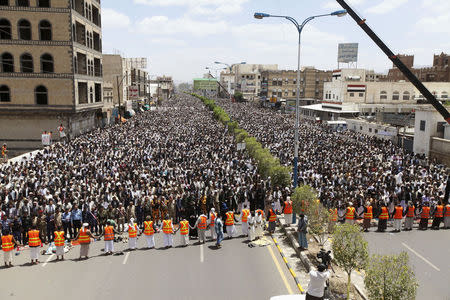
406	96
383	95
274	82
360	127
396	96
376	130
352	94
91	95
47	63
422	125
41	95
444	95
43	3
4	94
45	31
24	30
4	2
25	3
5	29
370	129
7	63
26	63
361	94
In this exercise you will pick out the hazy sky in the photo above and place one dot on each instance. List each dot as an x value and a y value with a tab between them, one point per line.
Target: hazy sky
181	37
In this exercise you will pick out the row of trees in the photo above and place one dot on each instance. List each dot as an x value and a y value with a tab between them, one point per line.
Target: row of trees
387	277
268	165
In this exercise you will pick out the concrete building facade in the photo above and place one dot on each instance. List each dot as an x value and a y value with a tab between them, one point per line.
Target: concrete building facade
50	69
349	94
282	84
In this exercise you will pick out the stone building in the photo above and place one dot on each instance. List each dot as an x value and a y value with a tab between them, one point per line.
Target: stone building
50	69
439	72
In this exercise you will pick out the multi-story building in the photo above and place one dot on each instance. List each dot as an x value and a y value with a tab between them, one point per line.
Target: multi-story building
350	94
439	72
245	78
139	79
165	87
282	84
50	69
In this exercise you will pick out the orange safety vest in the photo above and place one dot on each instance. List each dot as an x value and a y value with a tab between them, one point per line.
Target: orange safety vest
261	211
59	238
384	213
439	213
33	238
203	223
167	227
288	208
245	214
368	215
148	228
398	213
425	212
7	244
109	233
410	212
230	219
333	214
212	216
132	231
272	216
184	227
447	210
350	214
3	151
83	238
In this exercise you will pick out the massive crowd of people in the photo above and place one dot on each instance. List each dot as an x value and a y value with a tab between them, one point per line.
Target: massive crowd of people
345	166
176	161
179	161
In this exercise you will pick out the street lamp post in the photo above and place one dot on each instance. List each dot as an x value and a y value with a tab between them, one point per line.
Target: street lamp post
339	13
119	84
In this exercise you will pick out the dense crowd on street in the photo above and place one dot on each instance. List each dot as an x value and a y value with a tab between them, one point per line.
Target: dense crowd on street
179	166
174	163
349	167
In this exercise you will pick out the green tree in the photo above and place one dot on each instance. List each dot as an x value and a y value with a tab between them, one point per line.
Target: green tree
280	176
318	219
238	96
349	250
302	197
389	277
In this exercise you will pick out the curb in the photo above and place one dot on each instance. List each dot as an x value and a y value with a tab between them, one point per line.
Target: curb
304	259
289	267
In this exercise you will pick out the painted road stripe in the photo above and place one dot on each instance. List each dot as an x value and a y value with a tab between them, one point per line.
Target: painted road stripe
288	287
421	257
201	253
126	258
48	259
289	267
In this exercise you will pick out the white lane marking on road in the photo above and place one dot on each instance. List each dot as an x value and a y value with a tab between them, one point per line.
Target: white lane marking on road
202	258
421	257
126	258
48	259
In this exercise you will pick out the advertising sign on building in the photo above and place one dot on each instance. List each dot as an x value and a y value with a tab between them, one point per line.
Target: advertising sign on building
133	92
348	53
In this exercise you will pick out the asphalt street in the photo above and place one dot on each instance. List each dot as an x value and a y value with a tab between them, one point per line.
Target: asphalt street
428	253
235	271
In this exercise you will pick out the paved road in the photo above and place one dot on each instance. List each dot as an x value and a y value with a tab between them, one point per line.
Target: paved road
196	272
428	252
